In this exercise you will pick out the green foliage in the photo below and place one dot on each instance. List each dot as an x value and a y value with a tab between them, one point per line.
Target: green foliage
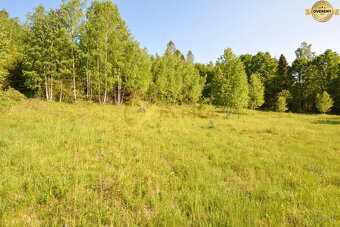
10	47
230	85
175	79
4	46
305	51
207	73
284	79
266	66
303	91
281	105
286	94
65	52
324	102
43	47
256	92
10	97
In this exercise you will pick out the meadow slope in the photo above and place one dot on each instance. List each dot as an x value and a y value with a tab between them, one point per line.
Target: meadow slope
87	164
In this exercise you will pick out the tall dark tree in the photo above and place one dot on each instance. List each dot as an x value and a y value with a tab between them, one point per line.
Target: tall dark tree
302	70
206	72
285	79
265	66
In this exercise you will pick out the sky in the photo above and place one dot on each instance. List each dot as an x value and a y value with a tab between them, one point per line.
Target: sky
207	27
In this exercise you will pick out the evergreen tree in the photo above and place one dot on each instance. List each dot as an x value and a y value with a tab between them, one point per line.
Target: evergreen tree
207	73
285	80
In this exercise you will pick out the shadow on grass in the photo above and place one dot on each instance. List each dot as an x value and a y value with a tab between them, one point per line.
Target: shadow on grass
233	114
332	121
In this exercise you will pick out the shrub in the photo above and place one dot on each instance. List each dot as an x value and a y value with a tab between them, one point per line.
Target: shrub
10	97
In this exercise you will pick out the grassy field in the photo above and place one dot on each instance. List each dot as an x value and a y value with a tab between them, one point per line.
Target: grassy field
87	164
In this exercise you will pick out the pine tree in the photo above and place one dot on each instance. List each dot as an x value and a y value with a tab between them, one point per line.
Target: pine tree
324	102
285	79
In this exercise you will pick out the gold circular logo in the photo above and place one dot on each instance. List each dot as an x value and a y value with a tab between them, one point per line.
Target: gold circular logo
322	11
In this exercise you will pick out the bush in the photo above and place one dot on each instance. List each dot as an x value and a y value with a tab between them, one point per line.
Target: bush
10	97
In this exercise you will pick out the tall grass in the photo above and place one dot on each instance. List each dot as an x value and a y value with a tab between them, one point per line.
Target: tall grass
87	164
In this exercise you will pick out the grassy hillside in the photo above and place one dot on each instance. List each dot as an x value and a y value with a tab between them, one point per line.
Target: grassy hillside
83	164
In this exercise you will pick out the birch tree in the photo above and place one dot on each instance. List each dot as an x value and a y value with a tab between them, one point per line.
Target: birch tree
36	46
256	92
72	11
230	86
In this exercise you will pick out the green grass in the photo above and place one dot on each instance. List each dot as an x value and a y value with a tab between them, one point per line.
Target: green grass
84	165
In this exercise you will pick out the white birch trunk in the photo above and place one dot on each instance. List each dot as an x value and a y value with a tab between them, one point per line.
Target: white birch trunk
46	88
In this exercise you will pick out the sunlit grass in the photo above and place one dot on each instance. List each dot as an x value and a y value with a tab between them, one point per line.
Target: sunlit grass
87	164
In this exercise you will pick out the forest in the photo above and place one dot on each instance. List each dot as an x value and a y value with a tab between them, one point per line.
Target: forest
75	53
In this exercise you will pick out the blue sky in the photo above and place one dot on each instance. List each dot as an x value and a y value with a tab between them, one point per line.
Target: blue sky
208	26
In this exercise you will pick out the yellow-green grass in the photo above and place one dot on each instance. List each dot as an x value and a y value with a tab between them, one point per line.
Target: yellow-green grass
83	164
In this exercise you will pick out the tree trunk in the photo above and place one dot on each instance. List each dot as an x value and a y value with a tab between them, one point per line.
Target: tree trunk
119	88
46	88
74	79
122	100
253	110
100	99
105	92
98	70
87	81
61	91
134	98
51	88
90	88
115	94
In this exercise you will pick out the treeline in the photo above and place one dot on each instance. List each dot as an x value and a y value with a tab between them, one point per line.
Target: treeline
73	53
